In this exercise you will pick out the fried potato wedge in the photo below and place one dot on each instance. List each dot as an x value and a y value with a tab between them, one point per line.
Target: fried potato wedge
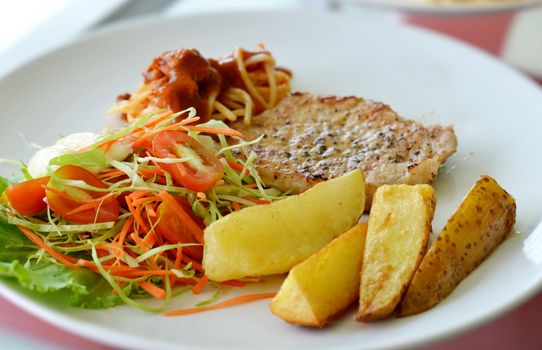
271	239
324	284
482	222
399	229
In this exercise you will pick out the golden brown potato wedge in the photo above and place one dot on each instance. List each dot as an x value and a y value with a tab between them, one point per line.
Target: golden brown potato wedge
399	229
271	239
482	222
325	283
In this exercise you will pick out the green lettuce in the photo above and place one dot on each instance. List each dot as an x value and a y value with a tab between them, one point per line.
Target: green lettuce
93	160
3	184
87	289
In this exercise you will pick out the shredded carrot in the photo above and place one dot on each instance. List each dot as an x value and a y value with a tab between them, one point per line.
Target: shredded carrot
257	201
113	248
140	201
153	289
102	254
141	273
110	178
251	185
177	263
150	173
131	272
185	280
235	283
150	210
147	136
189	121
149	240
92	266
140	131
235	165
136	214
178	258
139	194
199	286
65	259
153	264
185	219
68	245
124	230
138	241
152	123
137	233
110	173
177	126
217	131
231	302
91	205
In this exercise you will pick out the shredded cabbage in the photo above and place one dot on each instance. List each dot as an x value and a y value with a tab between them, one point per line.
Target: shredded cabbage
100	244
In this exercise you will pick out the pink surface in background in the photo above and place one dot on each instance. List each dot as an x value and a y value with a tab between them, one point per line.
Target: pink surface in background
520	328
19	323
486	32
516	330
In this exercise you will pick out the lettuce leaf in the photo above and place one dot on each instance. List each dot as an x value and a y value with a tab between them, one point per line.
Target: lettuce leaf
13	244
92	160
3	184
87	289
98	293
42	277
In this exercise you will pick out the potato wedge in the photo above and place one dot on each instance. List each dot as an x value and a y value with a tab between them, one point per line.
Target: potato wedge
399	229
482	222
271	239
324	284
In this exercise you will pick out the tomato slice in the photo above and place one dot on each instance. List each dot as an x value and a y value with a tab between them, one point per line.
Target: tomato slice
63	199
27	197
174	231
200	173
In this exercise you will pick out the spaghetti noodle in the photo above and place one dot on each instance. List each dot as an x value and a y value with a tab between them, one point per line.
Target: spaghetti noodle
240	85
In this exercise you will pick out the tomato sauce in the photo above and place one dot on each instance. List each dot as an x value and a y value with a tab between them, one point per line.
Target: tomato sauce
186	79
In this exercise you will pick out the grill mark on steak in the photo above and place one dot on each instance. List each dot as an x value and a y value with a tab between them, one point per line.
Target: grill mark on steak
308	139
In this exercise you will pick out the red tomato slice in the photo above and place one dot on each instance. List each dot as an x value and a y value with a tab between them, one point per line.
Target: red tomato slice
70	198
173	230
27	197
199	174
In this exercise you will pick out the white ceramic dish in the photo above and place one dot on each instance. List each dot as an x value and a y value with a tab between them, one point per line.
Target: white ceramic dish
448	8
495	111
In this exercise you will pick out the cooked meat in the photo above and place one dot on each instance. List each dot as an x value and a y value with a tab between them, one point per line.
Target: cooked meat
308	139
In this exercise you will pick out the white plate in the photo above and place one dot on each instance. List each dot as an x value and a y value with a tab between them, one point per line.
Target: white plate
458	8
495	111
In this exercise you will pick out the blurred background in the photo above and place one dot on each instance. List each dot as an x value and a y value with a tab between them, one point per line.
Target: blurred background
511	30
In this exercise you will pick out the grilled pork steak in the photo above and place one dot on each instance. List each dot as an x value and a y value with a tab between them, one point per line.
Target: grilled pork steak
308	139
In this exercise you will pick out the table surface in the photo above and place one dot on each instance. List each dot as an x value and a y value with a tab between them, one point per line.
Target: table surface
517	329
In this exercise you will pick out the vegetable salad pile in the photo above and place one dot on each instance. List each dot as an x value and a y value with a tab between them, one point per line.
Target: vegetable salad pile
124	217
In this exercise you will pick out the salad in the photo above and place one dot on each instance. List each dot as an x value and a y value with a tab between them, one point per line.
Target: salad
123	217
